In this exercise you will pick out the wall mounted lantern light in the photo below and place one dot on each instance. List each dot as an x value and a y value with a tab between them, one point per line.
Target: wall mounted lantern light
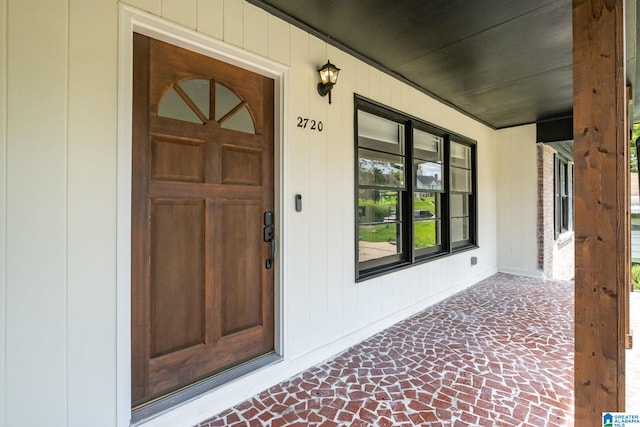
329	77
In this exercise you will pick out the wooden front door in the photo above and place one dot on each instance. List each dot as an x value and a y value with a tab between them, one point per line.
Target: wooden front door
202	283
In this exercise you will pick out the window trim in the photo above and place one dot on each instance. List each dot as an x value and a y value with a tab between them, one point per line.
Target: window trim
409	255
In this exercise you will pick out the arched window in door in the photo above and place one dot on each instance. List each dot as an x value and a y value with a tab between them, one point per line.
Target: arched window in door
189	101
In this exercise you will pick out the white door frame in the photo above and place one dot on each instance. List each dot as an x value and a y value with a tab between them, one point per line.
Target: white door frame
133	20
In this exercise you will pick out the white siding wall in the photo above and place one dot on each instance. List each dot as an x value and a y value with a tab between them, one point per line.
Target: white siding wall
91	198
517	200
58	280
36	179
58	204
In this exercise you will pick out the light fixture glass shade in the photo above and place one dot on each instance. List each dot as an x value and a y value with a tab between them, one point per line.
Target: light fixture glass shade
329	73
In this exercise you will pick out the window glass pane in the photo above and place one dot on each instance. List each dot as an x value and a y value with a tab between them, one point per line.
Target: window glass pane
380	169
241	121
459	229
460	180
427	146
426	205
173	106
198	92
428	176
379	224
459	205
378	206
380	134
378	241
460	155
426	219
426	233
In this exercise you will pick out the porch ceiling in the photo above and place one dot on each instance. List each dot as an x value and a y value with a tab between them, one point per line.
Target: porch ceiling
503	62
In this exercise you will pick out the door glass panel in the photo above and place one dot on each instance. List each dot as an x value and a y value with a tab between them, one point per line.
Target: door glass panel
460	180
225	101
173	106
379	224
198	92
240	121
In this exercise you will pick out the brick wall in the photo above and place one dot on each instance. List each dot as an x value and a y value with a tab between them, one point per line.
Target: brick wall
555	257
545	209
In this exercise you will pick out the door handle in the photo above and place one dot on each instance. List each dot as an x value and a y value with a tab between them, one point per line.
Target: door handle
269	236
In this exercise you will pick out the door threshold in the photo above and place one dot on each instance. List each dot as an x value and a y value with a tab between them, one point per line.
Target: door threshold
186	394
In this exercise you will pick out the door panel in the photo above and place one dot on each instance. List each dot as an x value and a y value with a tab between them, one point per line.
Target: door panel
241	307
177	256
177	159
202	298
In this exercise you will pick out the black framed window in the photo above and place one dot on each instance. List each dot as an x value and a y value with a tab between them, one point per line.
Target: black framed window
415	190
563	189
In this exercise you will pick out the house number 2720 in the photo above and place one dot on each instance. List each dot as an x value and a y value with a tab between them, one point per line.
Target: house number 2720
310	124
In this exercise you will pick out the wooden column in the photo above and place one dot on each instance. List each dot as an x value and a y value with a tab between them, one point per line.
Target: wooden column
601	208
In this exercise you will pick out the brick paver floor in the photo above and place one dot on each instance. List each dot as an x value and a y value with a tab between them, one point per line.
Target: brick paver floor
497	354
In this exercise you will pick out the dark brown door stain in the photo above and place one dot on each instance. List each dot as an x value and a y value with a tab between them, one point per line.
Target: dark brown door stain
202	299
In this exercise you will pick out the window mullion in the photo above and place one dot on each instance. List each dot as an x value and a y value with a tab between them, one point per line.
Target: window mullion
446	196
409	189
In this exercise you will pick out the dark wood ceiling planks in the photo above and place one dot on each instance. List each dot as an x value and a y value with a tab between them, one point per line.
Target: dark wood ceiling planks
503	62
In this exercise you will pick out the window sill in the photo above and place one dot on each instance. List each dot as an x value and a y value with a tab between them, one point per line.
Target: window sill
392	268
565	238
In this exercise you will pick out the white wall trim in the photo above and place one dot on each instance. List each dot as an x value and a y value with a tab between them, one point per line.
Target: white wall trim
133	20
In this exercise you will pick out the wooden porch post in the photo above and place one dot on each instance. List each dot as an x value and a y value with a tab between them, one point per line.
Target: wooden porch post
601	207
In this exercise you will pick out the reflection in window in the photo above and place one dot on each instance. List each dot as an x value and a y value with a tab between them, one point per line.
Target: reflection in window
379	224
376	132
461	189
460	155
415	186
381	178
426	220
428	186
459	229
460	179
380	169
